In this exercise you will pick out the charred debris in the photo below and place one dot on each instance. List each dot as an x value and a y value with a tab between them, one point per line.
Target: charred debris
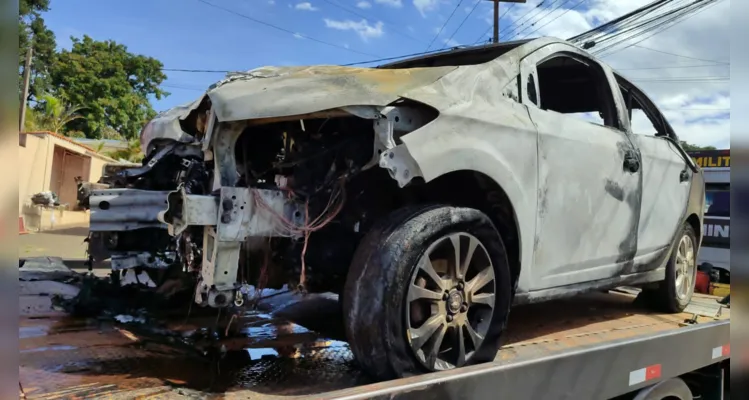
324	164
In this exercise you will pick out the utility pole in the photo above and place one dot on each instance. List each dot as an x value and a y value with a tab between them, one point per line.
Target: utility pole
495	36
25	91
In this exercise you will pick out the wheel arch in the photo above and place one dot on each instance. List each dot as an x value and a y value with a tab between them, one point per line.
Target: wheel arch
694	221
470	188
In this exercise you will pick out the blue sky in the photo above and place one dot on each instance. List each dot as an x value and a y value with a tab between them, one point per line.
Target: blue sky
189	34
192	35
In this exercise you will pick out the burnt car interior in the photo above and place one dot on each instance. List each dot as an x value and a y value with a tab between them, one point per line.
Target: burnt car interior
634	101
568	85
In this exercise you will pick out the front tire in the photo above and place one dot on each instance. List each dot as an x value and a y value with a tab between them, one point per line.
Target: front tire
429	289
675	292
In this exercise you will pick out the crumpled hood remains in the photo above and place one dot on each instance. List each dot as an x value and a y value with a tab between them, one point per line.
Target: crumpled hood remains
278	92
287	91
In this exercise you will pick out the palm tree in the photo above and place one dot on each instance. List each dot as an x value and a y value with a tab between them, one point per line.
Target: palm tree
132	153
52	114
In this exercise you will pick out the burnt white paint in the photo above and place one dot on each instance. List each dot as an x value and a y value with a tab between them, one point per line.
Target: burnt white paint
664	195
578	212
583	214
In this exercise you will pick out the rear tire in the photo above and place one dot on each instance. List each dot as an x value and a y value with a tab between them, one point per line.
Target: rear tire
675	292
447	321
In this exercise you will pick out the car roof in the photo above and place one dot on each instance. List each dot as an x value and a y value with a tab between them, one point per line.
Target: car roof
458	55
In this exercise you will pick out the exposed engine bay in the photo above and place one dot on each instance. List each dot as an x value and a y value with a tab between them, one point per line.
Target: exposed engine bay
264	202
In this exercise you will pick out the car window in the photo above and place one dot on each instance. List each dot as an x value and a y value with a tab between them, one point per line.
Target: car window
643	121
577	88
717	203
531	89
640	122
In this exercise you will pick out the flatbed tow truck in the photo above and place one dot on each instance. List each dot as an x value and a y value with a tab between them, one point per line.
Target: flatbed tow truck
599	345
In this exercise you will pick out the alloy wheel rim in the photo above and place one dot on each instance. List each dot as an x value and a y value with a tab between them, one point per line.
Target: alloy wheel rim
685	267
450	302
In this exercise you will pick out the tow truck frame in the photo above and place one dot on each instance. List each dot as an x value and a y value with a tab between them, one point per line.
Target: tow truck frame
603	347
630	366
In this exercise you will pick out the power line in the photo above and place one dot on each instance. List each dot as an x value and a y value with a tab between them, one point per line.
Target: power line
676	16
445	24
276	27
170	86
681	55
422	53
549	10
637	23
523	20
498	19
604	27
463	22
556	18
354	12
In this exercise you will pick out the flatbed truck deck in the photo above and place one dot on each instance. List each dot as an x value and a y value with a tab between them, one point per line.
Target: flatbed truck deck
594	346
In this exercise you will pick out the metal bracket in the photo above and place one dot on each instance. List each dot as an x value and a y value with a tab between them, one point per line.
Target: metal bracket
392	123
185	210
400	165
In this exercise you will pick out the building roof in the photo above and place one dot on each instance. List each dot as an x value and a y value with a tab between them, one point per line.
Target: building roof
112	143
90	150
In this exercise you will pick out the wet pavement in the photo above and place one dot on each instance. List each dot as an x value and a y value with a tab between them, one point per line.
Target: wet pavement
60	353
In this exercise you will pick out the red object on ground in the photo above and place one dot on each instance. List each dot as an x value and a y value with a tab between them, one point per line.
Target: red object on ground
21	227
702	285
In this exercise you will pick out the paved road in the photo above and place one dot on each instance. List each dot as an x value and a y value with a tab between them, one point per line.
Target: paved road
67	244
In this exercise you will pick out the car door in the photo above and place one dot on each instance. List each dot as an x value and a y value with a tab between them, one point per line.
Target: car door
588	177
666	179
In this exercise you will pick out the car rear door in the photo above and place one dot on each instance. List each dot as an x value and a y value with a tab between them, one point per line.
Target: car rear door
666	180
588	177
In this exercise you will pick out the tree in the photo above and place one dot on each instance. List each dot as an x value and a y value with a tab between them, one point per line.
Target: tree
108	132
32	31
56	114
694	147
51	114
132	153
111	83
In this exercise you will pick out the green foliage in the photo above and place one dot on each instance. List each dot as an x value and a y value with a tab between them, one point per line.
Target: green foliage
32	31
108	132
75	134
51	114
112	83
693	147
132	153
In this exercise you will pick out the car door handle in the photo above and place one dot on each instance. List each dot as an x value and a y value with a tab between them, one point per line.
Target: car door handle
631	163
683	176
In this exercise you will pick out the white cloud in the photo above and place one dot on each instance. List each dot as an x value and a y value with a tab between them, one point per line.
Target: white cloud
686	105
306	6
390	3
426	5
298	36
362	28
451	42
364	5
271	2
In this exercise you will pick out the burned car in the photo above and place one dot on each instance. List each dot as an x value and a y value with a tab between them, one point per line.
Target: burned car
431	194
